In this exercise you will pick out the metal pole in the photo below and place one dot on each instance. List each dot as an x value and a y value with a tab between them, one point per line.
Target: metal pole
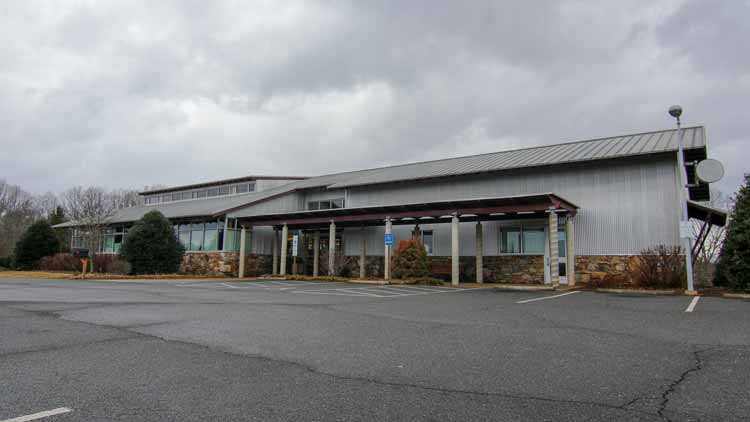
684	194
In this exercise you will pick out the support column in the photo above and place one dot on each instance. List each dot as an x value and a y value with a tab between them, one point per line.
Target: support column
570	245
387	257
480	252
243	236
316	252
275	248
454	250
331	249
362	254
554	269
284	236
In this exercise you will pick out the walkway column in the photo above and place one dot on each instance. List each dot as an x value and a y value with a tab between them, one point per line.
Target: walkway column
387	262
241	270
331	249
570	245
454	249
362	253
275	248
480	252
284	236
554	268
316	252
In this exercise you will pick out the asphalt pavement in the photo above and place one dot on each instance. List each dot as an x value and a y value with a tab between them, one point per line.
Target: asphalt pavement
291	351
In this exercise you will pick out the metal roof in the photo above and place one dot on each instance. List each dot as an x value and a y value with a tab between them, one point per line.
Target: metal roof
219	182
594	149
581	151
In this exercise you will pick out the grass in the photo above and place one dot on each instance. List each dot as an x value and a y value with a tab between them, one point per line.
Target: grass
6	273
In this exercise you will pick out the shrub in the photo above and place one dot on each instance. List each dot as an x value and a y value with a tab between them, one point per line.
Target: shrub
613	281
111	264
733	267
6	262
151	246
60	262
660	267
410	260
38	241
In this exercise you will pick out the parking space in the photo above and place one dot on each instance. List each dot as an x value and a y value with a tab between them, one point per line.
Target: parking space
327	288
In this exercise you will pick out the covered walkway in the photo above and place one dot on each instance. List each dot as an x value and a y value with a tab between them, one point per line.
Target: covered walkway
547	205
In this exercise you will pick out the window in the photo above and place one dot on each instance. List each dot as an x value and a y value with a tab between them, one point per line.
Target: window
112	239
196	237
243	188
251	186
326	204
510	240
201	194
224	190
427	240
533	240
187	195
210	237
213	192
522	240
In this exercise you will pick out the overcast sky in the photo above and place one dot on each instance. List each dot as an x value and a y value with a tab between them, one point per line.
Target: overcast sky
127	94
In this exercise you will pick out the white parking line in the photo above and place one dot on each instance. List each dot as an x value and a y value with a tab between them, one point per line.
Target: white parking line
692	304
547	297
229	285
39	415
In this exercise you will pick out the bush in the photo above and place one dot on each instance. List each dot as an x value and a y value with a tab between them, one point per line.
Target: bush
612	281
60	262
6	262
111	264
660	267
733	267
410	260
38	241
151	246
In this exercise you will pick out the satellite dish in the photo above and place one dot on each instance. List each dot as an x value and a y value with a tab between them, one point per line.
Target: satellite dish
709	170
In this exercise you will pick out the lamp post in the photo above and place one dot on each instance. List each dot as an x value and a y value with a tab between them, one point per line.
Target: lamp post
682	198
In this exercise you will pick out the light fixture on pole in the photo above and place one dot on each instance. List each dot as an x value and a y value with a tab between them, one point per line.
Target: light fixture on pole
682	198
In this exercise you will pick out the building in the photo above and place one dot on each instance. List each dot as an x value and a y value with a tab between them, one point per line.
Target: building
550	214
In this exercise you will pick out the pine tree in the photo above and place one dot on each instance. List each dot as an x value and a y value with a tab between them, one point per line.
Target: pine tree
38	241
733	268
151	246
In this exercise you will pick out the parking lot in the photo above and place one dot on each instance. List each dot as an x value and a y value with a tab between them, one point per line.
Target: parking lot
292	350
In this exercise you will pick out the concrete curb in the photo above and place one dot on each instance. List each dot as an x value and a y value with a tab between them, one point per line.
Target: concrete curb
640	292
379	282
736	295
524	288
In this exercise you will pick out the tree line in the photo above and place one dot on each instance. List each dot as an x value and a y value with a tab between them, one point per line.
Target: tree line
92	205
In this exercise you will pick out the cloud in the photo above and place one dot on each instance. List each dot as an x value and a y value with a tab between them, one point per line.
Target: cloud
125	94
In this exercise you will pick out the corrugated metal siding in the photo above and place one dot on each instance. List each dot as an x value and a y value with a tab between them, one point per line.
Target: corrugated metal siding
286	203
625	206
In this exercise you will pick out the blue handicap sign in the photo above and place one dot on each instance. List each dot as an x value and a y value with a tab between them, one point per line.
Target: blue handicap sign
389	239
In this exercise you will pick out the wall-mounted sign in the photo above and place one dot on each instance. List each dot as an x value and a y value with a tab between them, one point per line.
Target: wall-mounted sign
389	239
295	243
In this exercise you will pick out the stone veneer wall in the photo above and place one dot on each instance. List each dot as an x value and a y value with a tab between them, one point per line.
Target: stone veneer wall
596	267
519	269
224	263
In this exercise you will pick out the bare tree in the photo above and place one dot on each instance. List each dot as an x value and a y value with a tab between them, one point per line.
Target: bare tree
45	205
90	208
126	198
17	212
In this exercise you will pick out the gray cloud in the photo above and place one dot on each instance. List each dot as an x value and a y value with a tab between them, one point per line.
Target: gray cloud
128	94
